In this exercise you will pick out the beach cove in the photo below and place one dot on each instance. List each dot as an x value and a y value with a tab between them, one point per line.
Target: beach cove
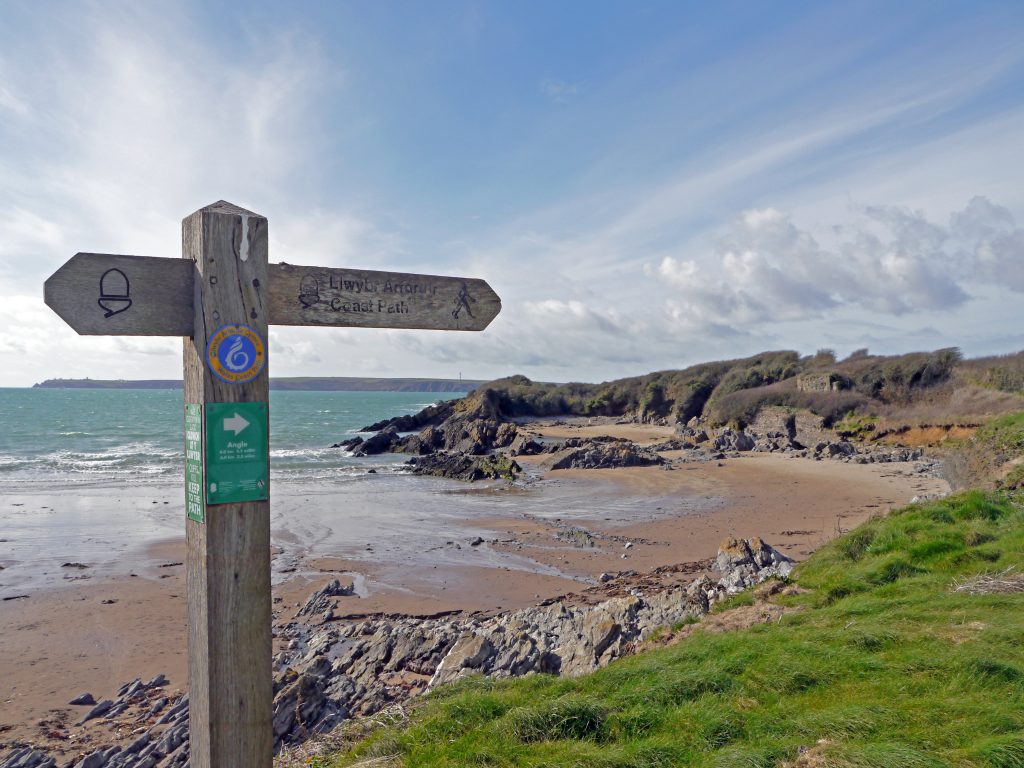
413	546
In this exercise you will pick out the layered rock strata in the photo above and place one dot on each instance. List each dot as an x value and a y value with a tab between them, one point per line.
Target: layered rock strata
334	670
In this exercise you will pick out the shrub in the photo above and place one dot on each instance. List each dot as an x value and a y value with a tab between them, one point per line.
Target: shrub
1004	373
742	407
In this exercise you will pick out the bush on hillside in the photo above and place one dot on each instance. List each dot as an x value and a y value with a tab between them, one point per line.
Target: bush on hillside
1002	372
732	391
741	408
895	379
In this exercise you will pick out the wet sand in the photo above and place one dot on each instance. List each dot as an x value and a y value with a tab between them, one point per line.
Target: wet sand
425	548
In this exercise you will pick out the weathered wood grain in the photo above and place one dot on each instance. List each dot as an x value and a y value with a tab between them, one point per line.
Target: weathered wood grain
114	295
371	299
223	279
228	562
160	296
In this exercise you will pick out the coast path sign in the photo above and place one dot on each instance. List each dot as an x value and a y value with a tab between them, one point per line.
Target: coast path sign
155	297
221	297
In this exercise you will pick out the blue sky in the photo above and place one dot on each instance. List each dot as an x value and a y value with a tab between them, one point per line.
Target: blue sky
646	185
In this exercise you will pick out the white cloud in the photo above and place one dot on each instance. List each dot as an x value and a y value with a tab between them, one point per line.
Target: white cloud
130	118
145	123
333	239
888	261
24	234
132	345
990	245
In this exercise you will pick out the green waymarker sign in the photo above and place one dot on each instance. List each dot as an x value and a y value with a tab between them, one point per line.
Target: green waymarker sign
194	502
237	465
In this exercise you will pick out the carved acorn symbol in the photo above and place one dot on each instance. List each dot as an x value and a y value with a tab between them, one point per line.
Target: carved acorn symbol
114	288
309	291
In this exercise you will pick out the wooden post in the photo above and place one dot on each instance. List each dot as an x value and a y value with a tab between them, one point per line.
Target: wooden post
222	303
228	569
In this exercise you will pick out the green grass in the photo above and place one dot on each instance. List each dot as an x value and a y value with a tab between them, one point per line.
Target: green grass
884	662
856	427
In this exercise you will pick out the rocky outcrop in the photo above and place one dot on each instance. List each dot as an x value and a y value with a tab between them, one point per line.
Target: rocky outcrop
464	435
672	445
158	720
746	562
847	451
336	670
730	440
597	455
320	603
429	416
783	435
475	437
524	445
351	445
459	466
382	442
472	426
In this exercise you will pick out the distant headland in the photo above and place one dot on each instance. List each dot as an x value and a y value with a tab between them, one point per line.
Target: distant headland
307	383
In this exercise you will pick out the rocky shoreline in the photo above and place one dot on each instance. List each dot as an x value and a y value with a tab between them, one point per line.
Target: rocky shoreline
477	442
333	670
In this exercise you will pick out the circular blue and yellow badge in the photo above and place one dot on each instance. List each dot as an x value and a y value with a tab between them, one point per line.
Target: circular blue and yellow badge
236	354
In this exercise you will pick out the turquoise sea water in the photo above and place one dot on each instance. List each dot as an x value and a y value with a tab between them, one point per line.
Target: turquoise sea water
97	477
68	436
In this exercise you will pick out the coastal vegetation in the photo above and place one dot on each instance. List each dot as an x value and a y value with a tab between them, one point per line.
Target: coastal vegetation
900	646
928	387
899	642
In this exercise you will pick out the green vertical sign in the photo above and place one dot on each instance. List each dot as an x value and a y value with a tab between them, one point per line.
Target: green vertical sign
195	507
237	461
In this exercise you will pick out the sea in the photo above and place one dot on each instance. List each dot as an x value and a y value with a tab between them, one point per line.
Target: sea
70	437
96	477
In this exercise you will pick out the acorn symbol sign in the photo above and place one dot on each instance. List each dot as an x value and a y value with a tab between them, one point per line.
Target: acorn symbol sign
114	297
309	291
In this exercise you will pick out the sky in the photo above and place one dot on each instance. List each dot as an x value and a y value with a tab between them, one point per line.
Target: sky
645	184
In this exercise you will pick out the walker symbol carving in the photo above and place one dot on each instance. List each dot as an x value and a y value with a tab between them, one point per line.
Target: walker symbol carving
114	292
309	291
462	302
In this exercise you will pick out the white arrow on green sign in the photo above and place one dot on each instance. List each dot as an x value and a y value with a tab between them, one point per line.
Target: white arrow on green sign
235	424
237	462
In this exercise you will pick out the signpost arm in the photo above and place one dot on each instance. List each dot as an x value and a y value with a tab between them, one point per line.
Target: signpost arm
228	568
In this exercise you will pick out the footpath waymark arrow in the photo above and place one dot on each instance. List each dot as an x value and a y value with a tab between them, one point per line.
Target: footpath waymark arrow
103	294
235	424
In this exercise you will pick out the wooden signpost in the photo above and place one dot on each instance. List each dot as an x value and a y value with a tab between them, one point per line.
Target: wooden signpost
158	297
221	297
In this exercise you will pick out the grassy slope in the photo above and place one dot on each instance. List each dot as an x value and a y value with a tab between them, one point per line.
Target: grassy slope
884	662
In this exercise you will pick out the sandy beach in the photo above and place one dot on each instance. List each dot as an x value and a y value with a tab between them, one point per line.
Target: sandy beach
448	547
